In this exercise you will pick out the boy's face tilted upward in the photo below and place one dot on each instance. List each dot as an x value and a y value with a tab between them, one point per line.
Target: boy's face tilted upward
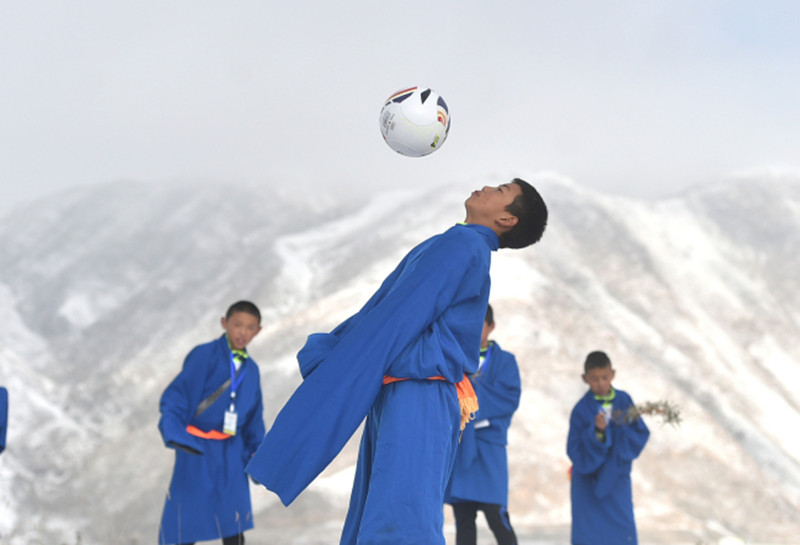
241	327
599	380
487	207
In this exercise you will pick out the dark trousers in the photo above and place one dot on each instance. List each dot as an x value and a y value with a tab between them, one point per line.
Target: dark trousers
496	518
231	540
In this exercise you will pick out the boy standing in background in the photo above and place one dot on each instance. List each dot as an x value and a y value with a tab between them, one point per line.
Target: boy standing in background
480	476
211	414
602	444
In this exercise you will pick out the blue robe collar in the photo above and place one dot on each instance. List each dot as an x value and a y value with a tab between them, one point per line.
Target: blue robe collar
490	236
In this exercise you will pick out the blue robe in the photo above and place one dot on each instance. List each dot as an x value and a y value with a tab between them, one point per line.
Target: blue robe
425	320
209	495
602	498
480	473
3	417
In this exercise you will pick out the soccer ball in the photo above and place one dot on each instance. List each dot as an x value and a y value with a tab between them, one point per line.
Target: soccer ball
415	121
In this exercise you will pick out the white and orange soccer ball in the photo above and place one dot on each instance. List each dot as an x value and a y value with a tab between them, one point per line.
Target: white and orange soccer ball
415	121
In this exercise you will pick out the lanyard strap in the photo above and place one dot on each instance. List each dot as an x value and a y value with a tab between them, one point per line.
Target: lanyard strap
236	378
486	356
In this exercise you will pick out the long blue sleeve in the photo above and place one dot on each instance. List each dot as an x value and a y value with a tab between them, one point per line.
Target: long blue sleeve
586	452
480	471
601	492
179	401
500	390
3	417
415	326
630	439
253	430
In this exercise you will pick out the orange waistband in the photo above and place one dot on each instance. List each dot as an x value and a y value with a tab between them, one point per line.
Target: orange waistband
388	380
213	434
467	399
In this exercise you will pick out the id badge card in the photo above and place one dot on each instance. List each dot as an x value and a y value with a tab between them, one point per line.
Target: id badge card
607	413
229	426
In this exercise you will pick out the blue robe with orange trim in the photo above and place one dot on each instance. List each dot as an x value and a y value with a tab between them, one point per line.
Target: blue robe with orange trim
602	497
209	495
3	417
480	473
425	320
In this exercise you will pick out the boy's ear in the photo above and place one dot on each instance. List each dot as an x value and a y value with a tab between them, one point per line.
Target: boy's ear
506	222
224	322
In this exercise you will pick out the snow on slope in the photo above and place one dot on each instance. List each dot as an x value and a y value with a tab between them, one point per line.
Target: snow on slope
694	298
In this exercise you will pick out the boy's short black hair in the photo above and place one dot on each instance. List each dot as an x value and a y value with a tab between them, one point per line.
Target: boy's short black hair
596	360
244	306
489	315
531	214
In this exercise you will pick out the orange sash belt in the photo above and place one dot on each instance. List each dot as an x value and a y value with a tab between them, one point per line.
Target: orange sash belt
213	434
467	400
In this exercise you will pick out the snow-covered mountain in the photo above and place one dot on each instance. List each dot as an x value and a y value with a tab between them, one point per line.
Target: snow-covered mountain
104	289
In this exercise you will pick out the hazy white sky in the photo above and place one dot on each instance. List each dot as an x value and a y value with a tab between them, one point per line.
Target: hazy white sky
635	97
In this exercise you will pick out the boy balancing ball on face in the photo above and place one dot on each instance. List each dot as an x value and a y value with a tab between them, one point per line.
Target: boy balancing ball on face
211	414
602	444
401	362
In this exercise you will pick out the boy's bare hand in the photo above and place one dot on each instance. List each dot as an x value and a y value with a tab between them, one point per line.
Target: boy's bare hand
600	421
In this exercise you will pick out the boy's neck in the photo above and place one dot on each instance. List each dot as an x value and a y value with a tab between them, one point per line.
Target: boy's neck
492	226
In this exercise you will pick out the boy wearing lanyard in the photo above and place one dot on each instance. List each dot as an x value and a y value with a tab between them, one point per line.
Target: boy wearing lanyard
480	476
602	445
211	414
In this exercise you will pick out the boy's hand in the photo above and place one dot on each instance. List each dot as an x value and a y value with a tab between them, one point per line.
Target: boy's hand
600	421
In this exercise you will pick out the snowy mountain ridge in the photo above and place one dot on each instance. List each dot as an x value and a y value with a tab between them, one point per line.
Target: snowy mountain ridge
103	291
